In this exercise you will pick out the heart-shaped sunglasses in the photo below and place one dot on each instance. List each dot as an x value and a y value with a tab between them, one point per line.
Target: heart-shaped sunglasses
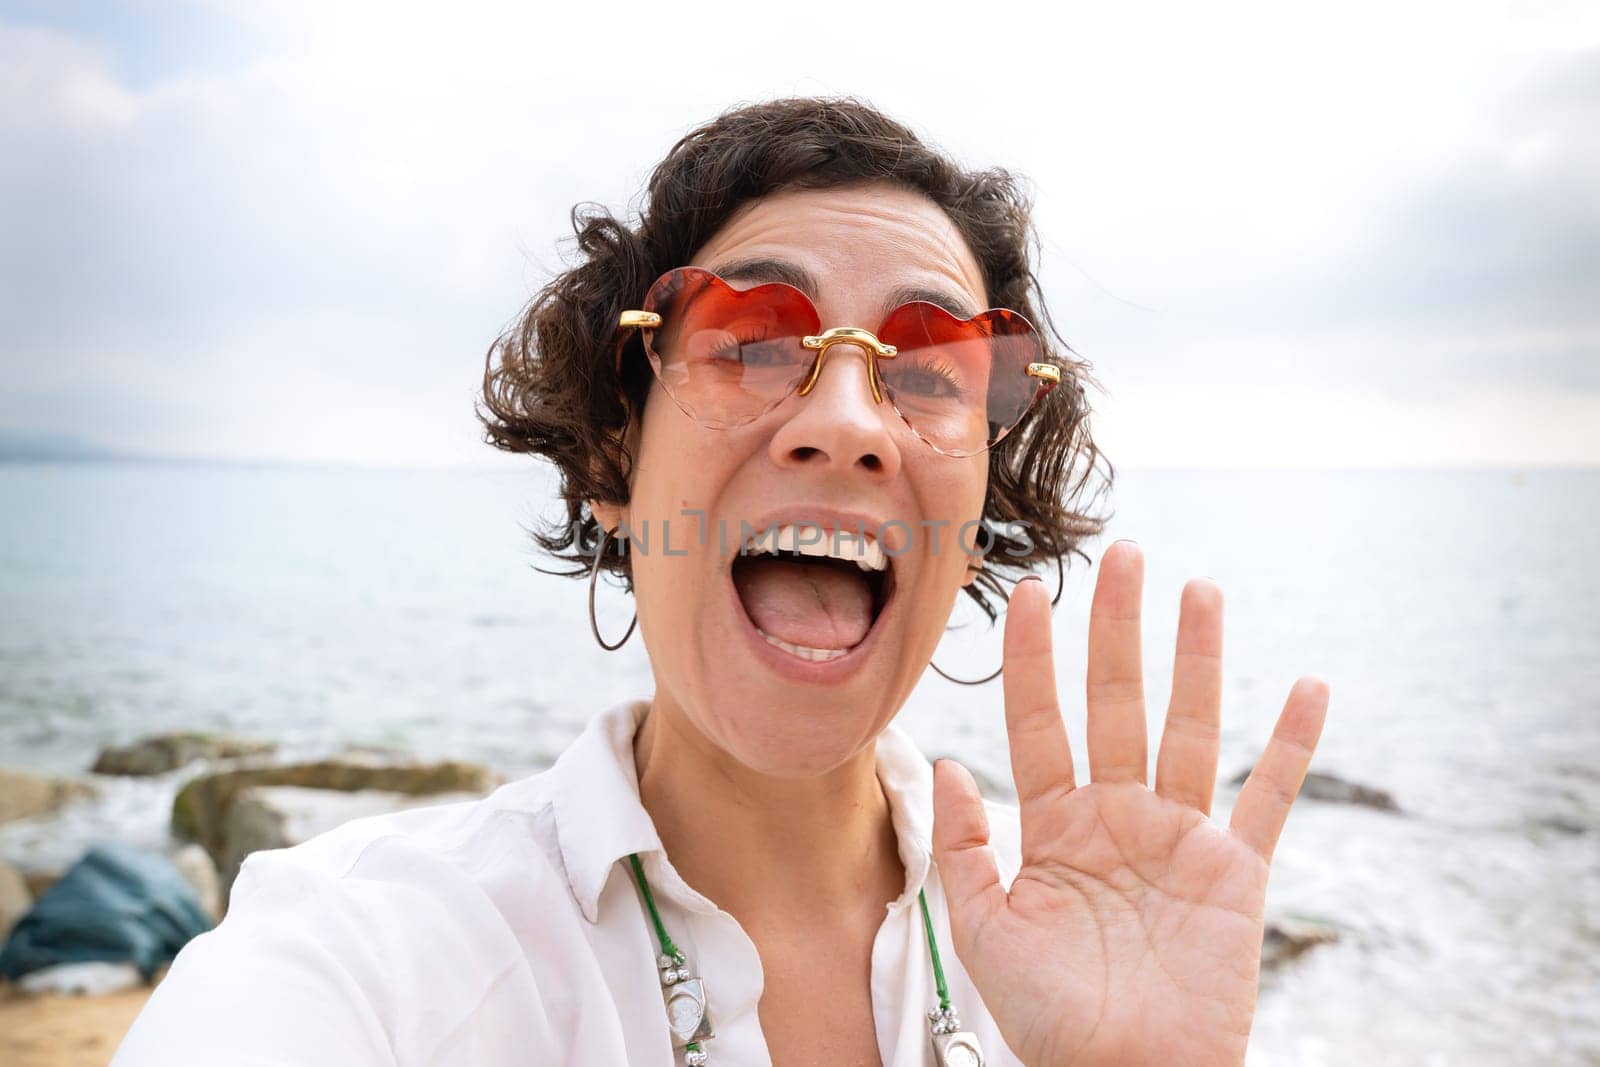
728	356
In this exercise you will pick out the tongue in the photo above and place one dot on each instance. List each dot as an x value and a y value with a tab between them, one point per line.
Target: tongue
815	605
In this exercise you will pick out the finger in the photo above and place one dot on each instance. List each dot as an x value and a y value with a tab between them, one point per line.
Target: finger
1263	804
1186	766
1041	758
961	848
1115	688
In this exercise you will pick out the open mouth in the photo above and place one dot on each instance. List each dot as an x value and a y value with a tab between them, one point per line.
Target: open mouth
815	594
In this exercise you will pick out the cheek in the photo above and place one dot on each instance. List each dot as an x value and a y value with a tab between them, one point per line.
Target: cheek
657	491
953	496
965	536
961	485
977	481
669	463
681	474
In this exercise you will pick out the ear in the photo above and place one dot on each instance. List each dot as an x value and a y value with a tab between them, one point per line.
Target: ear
609	516
974	568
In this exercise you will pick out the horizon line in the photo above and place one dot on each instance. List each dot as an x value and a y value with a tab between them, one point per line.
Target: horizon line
504	466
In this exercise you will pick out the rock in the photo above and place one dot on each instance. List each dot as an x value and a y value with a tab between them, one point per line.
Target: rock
168	752
278	816
15	899
201	874
23	795
373	751
1290	937
203	808
1336	790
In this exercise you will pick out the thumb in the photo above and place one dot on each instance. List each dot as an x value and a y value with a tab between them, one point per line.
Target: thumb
961	848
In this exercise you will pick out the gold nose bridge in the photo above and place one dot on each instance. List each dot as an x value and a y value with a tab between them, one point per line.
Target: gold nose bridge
872	350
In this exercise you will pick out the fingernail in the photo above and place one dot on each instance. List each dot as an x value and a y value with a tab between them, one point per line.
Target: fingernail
1130	541
1031	578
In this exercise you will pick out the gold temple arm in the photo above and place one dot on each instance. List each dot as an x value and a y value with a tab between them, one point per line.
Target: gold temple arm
647	320
1048	371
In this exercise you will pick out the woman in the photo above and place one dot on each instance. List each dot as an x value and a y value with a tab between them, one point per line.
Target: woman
784	414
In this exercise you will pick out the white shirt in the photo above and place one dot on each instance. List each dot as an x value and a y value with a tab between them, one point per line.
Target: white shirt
509	931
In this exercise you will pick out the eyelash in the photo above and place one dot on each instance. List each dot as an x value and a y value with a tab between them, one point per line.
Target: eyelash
940	370
736	340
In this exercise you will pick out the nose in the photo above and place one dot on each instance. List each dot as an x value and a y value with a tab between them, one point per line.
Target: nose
836	427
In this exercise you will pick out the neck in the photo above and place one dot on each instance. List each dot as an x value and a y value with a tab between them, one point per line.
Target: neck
768	849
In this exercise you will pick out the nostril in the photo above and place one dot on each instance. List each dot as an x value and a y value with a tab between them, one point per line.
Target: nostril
805	453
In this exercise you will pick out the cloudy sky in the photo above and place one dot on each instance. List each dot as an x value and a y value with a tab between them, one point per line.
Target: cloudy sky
1285	235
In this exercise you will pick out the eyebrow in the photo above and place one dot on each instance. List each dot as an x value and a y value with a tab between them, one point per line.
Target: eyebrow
913	293
778	270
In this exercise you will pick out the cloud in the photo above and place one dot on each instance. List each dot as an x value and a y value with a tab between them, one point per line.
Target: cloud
1455	268
295	234
1487	262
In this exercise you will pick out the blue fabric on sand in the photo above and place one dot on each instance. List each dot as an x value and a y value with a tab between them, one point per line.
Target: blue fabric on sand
117	904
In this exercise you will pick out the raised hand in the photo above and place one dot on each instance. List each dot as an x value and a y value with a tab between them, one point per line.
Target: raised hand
1132	933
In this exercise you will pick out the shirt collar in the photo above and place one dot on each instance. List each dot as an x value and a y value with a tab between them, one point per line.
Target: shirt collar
601	820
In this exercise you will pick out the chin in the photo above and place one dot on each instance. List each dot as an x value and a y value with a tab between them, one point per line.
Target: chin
796	731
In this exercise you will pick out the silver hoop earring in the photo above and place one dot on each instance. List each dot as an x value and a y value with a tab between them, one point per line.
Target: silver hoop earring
1061	585
594	573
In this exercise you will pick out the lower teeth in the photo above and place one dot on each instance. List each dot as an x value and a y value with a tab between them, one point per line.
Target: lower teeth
817	655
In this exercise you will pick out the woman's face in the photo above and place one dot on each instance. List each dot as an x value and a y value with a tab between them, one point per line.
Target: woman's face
792	666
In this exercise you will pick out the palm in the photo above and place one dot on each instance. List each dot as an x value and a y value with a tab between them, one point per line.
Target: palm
1132	932
1155	910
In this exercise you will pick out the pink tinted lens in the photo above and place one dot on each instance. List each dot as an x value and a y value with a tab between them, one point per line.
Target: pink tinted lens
962	385
728	355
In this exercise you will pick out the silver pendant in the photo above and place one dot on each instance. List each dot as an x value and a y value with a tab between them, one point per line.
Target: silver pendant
953	1046
959	1049
688	1016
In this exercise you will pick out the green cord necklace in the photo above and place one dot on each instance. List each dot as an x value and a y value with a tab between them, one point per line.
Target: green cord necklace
689	1018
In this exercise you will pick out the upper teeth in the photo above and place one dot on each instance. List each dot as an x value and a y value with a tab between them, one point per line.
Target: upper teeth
811	540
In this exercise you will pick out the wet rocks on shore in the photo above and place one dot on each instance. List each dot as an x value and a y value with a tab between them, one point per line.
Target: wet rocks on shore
241	801
204	809
167	752
1335	790
24	794
1289	937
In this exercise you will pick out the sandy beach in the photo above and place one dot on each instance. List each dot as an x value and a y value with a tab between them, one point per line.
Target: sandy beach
64	1031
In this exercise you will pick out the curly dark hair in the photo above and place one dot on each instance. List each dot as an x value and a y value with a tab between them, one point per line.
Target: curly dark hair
550	387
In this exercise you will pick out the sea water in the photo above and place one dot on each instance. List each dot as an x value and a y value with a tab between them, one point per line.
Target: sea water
1455	614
